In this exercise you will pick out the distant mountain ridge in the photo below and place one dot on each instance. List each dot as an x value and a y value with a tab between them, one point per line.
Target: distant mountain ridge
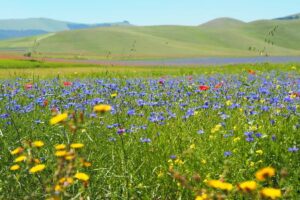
14	28
290	17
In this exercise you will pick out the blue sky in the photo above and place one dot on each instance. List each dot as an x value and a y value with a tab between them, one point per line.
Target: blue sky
148	12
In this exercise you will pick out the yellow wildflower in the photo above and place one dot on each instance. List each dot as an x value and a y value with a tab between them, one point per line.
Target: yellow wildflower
236	139
271	193
102	108
220	185
17	151
203	161
259	152
87	164
60	153
216	128
70	157
20	159
293	96
38	143
113	95
58	118
160	174
193	146
14	167
228	103
57	188
247	186
179	161
60	146
82	176
66	180
264	173
77	145
253	128
37	168
202	197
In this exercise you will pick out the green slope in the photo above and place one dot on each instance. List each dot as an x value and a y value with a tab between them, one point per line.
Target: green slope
221	37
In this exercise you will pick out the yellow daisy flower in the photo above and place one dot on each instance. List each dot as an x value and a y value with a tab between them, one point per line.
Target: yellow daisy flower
102	108
271	193
77	145
38	143
202	197
17	151
247	186
58	118
82	176
37	168
220	185
14	167
60	146
60	153
20	159
264	173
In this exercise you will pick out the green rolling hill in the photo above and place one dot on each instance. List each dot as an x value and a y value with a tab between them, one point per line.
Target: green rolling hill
220	37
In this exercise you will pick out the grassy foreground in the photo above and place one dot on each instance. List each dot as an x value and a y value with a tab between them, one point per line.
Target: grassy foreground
40	69
149	133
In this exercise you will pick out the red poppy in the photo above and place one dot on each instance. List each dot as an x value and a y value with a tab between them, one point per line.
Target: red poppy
67	83
28	86
203	87
250	71
45	103
219	85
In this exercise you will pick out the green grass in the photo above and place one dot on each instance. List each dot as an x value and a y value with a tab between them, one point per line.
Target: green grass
221	37
23	68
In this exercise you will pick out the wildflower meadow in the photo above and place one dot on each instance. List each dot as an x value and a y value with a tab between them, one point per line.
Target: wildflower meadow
191	136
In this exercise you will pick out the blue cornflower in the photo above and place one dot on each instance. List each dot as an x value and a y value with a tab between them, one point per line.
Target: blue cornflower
259	135
131	112
121	131
227	153
293	149
145	140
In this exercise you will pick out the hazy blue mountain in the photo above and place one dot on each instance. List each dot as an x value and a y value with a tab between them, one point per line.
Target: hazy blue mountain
14	28
290	17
